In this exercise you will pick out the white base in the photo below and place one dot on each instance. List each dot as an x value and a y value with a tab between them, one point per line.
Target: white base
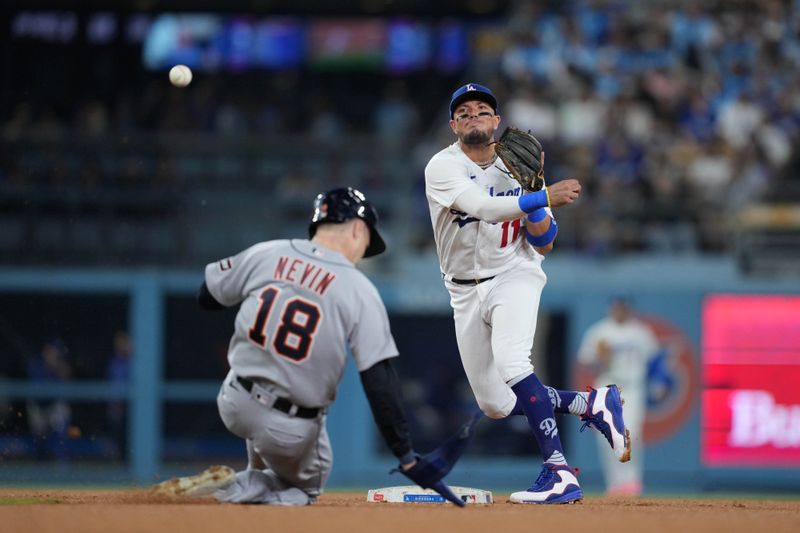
416	494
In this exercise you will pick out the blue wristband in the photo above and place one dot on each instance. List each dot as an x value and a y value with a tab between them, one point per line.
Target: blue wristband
538	215
545	238
532	201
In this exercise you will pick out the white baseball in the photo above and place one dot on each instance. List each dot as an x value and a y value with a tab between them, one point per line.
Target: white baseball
180	75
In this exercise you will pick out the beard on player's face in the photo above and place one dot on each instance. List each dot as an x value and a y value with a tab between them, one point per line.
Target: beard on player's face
475	137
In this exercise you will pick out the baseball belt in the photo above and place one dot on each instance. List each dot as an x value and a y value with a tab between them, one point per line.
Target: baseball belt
470	281
284	405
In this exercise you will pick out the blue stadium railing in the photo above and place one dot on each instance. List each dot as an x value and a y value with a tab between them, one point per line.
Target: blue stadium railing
580	289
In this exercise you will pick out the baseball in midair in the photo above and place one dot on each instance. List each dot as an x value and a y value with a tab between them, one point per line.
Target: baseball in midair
180	75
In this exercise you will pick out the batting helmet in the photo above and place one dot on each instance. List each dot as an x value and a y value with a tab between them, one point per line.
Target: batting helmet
340	205
472	91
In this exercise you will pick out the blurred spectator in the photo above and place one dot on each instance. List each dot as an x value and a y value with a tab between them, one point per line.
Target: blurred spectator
692	30
49	420
739	119
395	117
19	122
229	119
750	177
326	124
92	119
697	118
618	158
581	120
617	350
710	173
527	112
118	373
292	188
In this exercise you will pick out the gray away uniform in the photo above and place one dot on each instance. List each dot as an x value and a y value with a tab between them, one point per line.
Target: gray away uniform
302	305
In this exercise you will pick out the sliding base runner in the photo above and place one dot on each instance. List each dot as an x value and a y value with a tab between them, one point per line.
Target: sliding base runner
415	494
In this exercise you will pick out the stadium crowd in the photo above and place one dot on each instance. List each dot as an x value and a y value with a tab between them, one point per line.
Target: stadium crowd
674	115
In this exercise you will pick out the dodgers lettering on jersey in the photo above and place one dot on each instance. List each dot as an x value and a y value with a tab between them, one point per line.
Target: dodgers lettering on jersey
470	248
302	305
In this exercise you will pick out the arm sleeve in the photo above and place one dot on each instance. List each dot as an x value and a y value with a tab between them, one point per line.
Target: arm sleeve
382	388
491	209
447	182
445	179
207	300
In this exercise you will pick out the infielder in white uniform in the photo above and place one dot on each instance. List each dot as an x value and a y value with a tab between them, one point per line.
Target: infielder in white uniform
301	304
617	349
491	240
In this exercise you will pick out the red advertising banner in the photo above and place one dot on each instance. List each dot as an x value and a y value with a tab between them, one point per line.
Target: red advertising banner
751	380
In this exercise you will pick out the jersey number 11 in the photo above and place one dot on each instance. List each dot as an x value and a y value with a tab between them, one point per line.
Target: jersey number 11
515	226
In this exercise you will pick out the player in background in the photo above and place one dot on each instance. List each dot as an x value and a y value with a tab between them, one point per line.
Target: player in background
617	349
301	304
491	240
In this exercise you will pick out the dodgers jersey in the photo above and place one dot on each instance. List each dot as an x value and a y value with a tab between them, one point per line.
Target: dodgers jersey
301	305
632	344
469	248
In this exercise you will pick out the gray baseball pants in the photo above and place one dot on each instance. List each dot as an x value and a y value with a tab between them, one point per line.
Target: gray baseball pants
289	458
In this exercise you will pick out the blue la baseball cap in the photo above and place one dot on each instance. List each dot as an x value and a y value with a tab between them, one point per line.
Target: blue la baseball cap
472	91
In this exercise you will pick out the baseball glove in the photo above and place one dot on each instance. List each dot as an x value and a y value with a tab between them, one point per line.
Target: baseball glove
431	468
522	154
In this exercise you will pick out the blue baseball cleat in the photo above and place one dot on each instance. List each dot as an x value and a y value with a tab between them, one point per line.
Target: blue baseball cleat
604	413
555	484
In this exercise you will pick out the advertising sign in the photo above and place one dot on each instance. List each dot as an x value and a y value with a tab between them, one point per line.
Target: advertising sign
751	380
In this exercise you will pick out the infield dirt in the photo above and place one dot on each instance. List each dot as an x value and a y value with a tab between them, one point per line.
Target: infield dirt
64	511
